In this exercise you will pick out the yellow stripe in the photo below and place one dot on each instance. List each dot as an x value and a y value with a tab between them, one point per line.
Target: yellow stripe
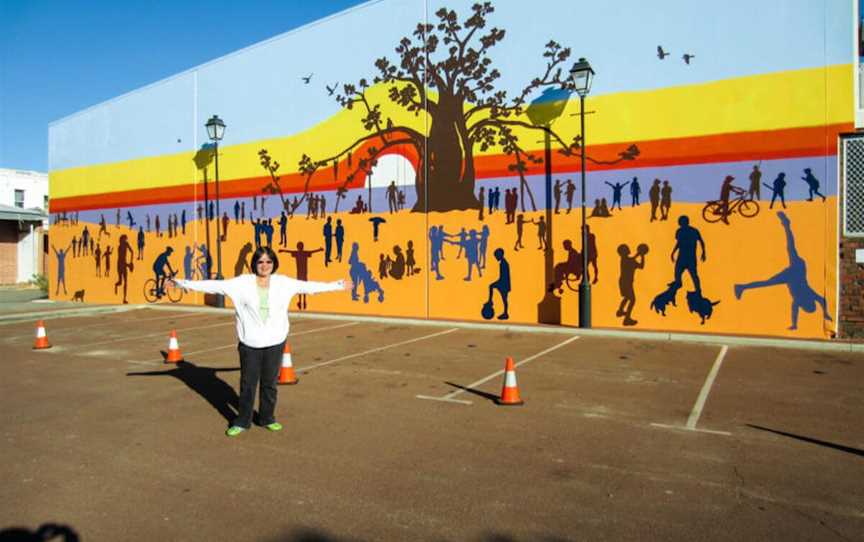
799	98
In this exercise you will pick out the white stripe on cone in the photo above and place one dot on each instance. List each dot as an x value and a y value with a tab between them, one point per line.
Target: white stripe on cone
286	359
510	379
40	332
172	344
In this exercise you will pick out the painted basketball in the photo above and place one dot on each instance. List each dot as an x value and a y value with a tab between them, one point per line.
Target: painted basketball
642	249
488	311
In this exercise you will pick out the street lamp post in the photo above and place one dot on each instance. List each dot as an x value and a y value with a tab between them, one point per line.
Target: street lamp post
542	112
582	75
215	131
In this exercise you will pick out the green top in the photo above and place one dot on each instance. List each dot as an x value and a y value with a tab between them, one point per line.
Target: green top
263	302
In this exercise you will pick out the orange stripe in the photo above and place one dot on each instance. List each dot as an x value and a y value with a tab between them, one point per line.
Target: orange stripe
731	147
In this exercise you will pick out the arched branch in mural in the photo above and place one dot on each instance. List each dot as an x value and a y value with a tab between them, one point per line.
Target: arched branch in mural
465	111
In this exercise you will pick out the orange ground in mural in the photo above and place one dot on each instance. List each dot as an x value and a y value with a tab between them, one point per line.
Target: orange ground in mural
734	256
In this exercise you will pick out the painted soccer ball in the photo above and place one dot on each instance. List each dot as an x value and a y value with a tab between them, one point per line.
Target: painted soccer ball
642	249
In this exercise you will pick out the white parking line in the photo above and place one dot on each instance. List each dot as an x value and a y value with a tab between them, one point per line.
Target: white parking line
379	349
234	345
696	413
449	397
109	323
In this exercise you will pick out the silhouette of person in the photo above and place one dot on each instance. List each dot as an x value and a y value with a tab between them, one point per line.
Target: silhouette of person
436	240
267	228
328	240
340	238
396	268
755	182
392	200
225	222
140	243
97	256
557	192
159	266
130	219
471	246
794	276
236	211
481	197
61	268
686	239
592	254
572	265
124	265
243	211
520	226
283	225
256	225
85	239
376	222
568	192
726	191
635	190
463	235
629	265
203	380
187	263
617	190
410	262
484	242
360	275
812	184
183	221
117	219
541	233
383	266
654	198
242	263
211	211
74	246
665	200
778	188
157	225
301	259
103	227
147	217
502	284
107	257
204	261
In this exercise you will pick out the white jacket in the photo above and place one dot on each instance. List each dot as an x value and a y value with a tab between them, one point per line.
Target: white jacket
243	291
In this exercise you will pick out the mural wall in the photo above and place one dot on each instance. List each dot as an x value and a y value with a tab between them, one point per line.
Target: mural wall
403	144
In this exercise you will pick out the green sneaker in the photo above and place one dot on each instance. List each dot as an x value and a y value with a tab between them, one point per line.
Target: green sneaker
234	430
275	426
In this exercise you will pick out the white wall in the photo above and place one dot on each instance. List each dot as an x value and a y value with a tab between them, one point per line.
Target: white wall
33	183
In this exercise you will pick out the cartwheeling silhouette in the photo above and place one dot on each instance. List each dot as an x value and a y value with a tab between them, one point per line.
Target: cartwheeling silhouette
795	279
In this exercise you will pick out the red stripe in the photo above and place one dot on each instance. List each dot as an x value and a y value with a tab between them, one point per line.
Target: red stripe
732	147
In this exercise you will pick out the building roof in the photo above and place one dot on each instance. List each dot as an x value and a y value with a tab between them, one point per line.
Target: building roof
8	212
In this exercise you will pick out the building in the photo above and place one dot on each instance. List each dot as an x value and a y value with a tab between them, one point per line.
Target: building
23	225
714	156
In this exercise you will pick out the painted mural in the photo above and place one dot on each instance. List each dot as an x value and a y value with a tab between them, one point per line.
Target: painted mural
413	159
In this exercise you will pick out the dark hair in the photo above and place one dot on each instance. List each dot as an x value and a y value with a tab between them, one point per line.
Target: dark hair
261	251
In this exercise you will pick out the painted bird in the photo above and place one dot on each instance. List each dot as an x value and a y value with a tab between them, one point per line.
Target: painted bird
330	90
687	58
661	54
307	78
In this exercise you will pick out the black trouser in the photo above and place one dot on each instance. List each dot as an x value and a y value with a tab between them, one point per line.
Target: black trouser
258	364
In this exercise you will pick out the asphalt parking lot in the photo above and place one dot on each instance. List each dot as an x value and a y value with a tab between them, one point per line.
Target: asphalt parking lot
393	433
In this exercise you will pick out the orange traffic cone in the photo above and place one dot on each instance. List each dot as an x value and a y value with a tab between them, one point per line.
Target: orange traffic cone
286	373
174	355
41	337
510	392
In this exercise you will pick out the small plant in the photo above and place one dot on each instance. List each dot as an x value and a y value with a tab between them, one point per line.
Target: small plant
40	281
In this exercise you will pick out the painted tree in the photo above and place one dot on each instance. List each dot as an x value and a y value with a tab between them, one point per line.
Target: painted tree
444	71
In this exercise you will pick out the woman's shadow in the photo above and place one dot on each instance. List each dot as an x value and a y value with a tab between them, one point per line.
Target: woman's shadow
204	382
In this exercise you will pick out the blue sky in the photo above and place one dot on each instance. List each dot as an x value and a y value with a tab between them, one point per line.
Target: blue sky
58	58
61	56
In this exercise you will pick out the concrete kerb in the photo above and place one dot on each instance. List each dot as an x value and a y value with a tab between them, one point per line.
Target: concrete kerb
524	328
63	313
